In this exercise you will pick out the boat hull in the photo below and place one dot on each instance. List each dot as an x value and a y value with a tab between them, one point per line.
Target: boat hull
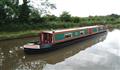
59	45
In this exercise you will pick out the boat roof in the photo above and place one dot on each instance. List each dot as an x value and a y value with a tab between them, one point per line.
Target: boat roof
70	29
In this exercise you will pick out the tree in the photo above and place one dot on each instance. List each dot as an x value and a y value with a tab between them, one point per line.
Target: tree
65	16
8	9
2	14
75	19
11	10
43	6
24	11
48	17
114	15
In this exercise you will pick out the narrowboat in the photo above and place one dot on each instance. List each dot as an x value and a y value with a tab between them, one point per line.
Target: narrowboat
49	40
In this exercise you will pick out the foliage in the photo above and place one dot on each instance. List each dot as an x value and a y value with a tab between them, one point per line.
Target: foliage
15	17
65	17
9	10
24	11
20	16
76	19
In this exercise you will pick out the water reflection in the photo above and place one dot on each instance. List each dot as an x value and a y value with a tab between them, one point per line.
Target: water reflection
12	56
104	55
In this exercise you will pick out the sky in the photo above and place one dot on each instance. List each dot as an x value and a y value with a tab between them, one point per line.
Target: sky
84	8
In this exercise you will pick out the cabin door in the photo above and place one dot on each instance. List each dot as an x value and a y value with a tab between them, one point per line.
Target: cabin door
46	38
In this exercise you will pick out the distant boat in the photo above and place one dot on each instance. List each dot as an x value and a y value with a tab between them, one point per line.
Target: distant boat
60	38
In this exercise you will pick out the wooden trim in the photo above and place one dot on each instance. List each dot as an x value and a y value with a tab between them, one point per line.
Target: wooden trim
67	31
75	30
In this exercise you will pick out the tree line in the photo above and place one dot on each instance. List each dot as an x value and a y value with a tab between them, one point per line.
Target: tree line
15	17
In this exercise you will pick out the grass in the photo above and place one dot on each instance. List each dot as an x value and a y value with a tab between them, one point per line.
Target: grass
20	34
117	26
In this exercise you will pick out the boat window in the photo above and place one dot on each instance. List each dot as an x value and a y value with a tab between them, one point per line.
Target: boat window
82	32
68	35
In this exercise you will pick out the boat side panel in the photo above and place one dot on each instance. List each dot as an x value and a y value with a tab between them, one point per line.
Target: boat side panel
60	37
94	30
75	34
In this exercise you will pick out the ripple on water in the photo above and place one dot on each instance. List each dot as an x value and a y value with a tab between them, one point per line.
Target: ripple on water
2	58
32	65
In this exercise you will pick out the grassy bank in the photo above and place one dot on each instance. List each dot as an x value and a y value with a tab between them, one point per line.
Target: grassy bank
114	26
20	34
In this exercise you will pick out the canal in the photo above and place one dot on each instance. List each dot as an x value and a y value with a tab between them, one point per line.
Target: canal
12	56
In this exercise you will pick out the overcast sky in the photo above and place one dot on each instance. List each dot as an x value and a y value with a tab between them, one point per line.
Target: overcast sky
85	8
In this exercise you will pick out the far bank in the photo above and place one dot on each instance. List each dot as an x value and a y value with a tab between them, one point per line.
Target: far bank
34	33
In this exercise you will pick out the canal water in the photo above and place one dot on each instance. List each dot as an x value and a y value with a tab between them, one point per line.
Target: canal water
12	56
104	55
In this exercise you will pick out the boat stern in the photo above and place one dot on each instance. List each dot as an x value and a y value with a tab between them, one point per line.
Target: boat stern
31	46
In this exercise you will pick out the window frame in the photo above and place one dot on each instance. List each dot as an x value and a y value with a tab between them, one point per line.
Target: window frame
68	36
83	33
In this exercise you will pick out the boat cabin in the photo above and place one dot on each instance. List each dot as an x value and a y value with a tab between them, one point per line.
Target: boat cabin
56	36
